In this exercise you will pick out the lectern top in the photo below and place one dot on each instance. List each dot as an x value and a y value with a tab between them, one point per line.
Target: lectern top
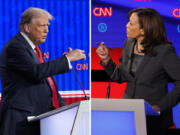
50	113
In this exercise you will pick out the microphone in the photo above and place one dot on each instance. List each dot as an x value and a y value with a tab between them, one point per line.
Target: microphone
114	72
109	86
80	83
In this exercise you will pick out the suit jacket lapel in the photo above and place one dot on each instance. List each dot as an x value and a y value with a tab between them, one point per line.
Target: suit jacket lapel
130	52
51	76
33	54
29	48
130	49
142	65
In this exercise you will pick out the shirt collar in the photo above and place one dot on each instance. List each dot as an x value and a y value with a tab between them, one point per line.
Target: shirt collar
28	40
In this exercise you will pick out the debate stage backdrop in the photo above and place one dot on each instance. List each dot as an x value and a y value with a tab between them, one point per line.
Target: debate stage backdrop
108	24
70	28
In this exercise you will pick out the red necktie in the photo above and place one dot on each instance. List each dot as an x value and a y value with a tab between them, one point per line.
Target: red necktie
51	82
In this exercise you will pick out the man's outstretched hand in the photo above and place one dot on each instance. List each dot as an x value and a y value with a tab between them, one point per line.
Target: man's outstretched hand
75	55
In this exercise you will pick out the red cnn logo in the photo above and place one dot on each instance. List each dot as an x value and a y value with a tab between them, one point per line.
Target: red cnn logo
82	66
99	11
176	12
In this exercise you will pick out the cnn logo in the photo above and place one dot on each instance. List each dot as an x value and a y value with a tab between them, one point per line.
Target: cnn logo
99	11
82	66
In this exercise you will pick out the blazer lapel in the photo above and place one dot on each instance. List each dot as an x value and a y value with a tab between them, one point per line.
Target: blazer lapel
50	76
130	49
33	54
142	65
29	48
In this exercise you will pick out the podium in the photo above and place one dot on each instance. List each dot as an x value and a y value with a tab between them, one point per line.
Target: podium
72	119
119	116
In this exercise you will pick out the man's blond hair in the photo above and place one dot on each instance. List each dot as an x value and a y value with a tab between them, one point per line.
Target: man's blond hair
31	13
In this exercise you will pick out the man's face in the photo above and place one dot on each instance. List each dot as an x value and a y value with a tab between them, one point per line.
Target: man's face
38	29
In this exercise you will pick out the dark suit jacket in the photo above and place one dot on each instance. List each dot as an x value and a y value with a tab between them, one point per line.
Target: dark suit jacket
25	88
152	77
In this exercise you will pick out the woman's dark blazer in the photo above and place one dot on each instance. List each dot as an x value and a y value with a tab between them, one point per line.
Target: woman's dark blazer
151	78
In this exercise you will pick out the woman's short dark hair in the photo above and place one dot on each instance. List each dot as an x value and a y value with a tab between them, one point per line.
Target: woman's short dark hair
154	30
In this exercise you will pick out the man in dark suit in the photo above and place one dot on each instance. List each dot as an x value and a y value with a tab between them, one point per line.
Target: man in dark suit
28	87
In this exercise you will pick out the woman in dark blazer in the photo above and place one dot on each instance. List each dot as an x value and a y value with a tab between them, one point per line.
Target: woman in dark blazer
148	63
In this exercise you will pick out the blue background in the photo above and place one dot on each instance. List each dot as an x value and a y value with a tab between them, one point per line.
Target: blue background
115	34
70	28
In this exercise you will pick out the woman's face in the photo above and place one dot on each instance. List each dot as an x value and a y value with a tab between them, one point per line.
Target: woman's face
133	28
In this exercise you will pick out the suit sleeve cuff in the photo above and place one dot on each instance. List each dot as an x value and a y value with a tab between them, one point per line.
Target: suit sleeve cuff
69	63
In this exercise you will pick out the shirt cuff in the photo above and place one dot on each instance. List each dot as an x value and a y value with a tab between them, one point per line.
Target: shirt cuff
69	63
